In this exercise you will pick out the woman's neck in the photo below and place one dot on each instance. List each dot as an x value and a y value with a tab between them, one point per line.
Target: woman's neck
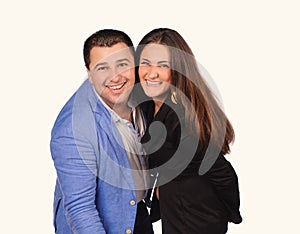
158	101
157	106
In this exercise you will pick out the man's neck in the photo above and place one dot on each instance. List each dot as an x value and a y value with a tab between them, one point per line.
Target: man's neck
124	111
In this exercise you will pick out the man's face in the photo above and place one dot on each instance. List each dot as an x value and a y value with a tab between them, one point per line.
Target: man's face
112	73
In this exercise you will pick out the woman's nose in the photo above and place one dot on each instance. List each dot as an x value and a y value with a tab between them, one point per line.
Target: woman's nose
153	73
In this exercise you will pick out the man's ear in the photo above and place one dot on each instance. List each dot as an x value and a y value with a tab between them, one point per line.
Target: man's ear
89	75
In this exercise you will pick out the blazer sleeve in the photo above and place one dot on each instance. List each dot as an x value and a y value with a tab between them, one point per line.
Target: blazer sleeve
224	178
76	167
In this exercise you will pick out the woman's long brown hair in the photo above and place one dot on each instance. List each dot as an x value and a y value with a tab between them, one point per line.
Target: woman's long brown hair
210	121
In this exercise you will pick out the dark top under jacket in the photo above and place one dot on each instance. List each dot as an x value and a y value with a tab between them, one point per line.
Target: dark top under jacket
189	202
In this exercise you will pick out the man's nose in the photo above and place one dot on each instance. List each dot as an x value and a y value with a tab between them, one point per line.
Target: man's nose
115	75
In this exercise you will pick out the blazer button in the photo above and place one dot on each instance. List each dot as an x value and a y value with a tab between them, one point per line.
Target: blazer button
128	231
132	202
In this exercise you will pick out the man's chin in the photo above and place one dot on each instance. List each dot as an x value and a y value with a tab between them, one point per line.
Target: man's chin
120	101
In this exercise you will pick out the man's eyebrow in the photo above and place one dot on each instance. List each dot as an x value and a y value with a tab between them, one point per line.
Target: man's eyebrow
123	60
100	64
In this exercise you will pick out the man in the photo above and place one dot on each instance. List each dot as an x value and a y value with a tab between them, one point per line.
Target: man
94	145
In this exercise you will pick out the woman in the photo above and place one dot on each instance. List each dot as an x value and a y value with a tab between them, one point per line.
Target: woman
197	187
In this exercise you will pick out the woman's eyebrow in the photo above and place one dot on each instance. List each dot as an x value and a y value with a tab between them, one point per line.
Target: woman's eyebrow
147	60
159	62
163	61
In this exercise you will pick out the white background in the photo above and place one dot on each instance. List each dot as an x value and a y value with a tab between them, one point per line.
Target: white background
250	48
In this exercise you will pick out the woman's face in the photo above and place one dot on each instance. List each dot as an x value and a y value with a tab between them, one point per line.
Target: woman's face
155	71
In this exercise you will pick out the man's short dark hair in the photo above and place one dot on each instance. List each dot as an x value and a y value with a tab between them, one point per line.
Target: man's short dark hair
104	38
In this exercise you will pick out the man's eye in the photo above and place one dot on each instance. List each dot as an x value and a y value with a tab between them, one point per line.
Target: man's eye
102	68
123	65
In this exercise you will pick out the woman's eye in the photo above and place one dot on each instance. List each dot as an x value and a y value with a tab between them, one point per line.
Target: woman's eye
144	63
164	66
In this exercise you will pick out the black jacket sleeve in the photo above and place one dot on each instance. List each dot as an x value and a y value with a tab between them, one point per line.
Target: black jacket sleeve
223	177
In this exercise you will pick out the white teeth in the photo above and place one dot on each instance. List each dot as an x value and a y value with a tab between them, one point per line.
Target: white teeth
153	82
115	87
